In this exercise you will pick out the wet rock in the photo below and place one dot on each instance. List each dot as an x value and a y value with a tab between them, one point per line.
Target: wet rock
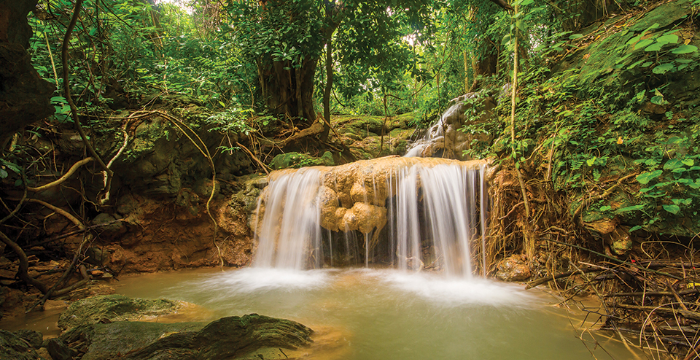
13	301
33	338
114	308
59	350
513	268
227	338
15	348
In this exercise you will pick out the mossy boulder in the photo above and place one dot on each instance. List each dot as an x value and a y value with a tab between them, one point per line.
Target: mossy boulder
297	160
363	134
15	346
227	338
113	308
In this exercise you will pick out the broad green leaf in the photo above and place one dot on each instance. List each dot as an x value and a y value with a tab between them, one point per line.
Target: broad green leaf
667	39
643	43
646	177
688	162
575	36
654	47
673	164
684	49
658	100
634	39
679	202
3	174
11	166
673	209
664	68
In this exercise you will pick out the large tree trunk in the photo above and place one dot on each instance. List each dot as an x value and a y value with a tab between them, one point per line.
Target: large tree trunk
288	91
24	96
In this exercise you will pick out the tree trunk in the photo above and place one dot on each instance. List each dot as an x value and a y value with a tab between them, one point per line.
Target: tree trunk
486	65
288	91
329	87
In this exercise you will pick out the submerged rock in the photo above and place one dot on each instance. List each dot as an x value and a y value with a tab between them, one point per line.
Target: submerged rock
103	308
227	338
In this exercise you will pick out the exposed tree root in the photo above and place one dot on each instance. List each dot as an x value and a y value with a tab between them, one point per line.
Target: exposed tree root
22	272
63	178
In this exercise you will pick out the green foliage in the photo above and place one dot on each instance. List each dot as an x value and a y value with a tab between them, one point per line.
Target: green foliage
131	51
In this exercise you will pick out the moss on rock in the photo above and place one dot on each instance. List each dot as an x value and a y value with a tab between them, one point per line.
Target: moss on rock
227	338
15	346
297	160
113	308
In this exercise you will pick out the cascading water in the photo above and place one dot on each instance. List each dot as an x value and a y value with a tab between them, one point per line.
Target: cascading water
290	224
436	132
423	212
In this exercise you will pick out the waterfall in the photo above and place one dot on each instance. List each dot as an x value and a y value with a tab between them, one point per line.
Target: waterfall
290	224
435	133
424	212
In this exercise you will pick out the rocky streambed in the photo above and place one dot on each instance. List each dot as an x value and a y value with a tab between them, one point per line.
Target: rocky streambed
115	326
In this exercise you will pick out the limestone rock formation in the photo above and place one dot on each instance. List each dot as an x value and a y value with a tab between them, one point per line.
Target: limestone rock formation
352	197
445	138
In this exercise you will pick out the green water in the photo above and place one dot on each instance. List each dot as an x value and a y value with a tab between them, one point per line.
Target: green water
385	314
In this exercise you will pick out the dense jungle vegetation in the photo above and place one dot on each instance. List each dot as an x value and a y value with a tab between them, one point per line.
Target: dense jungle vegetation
264	68
593	123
